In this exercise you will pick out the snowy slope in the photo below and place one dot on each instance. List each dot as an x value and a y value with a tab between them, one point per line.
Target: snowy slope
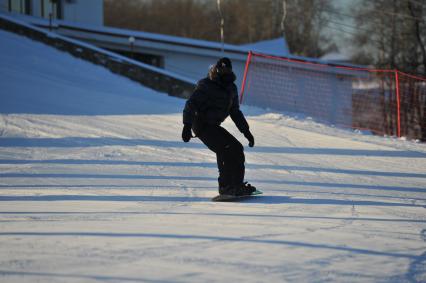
96	186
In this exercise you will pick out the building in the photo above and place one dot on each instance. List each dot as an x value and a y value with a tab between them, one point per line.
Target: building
337	57
276	47
187	57
79	11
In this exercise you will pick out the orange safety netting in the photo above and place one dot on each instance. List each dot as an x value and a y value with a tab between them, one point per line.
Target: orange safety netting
385	102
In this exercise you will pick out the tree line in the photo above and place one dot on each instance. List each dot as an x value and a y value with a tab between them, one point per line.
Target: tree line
246	21
391	34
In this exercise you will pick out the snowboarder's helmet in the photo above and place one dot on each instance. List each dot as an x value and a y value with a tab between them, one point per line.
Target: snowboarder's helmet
224	63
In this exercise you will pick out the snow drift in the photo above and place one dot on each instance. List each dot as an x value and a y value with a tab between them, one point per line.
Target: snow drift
96	185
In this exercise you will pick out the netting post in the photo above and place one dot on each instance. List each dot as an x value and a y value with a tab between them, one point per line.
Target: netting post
245	76
398	104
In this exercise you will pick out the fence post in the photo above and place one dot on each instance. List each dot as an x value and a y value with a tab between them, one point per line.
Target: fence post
398	104
245	76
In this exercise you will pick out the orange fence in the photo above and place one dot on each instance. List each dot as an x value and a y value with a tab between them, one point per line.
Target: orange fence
384	102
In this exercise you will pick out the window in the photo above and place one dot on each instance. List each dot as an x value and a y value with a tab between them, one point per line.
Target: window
20	6
150	59
51	8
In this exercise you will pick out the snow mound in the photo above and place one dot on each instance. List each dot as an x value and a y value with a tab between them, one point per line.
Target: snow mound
96	185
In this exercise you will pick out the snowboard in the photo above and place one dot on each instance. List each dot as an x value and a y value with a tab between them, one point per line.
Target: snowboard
235	198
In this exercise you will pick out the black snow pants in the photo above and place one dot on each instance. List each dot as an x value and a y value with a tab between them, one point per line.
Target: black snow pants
229	152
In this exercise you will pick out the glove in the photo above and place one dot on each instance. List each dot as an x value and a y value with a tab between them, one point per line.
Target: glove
249	137
186	133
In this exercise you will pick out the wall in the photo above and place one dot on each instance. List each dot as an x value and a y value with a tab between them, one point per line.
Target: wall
3	5
196	67
79	11
321	92
83	11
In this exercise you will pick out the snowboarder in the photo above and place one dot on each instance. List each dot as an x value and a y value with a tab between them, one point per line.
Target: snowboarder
213	100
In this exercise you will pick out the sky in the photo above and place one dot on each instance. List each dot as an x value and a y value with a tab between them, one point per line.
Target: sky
342	38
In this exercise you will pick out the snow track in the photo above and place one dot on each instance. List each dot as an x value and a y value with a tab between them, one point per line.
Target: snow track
96	186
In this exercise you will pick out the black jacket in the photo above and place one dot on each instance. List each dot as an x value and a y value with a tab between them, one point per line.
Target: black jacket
211	103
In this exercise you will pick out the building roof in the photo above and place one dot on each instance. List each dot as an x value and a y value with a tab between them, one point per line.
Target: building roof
336	57
138	35
277	47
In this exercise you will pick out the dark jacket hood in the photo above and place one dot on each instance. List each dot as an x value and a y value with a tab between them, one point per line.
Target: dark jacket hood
225	78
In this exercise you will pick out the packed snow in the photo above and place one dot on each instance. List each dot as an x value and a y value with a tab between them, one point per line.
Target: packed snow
97	186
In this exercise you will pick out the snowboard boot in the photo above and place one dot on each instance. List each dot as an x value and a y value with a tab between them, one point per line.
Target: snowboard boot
227	190
246	189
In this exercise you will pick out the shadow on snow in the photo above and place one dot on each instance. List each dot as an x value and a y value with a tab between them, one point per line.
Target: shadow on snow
256	200
105	141
218	214
212	165
212	238
199	178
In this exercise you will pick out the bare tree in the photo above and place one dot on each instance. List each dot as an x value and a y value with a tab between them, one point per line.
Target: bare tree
186	18
418	14
392	34
305	27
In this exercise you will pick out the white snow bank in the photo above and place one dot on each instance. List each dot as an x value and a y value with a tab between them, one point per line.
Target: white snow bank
41	80
96	186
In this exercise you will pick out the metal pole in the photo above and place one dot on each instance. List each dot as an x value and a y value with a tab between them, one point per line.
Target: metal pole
243	86
132	43
50	21
398	105
283	20
222	24
51	15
